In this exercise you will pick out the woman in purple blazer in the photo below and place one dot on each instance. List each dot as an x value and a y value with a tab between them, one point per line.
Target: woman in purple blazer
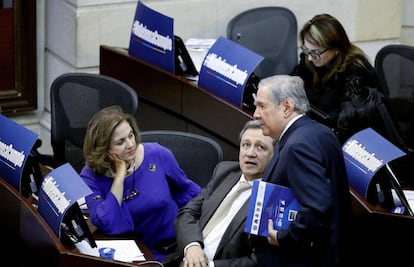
137	187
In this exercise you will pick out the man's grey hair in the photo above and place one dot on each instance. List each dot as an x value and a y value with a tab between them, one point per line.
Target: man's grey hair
286	86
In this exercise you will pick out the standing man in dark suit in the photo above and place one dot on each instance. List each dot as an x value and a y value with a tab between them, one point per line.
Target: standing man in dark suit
226	244
309	160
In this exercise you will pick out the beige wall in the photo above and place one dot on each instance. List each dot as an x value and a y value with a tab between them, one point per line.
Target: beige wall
71	31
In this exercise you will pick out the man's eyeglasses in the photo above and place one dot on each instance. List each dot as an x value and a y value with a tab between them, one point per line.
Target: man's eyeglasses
315	54
132	193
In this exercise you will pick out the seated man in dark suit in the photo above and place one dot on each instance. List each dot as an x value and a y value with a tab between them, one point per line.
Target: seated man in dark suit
226	244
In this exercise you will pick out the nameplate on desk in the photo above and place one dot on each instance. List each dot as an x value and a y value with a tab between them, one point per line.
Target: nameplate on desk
364	154
16	143
226	69
60	189
152	38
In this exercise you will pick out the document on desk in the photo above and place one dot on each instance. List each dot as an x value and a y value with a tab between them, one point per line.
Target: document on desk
125	250
198	48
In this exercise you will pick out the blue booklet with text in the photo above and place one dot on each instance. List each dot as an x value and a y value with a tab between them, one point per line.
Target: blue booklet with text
270	201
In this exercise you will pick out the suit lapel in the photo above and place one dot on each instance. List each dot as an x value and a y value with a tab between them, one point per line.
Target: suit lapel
219	193
272	163
235	225
279	146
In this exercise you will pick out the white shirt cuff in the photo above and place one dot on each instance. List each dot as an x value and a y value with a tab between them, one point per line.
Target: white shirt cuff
190	245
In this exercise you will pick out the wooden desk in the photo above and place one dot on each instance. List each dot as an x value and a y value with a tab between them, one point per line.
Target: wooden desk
379	236
25	232
168	101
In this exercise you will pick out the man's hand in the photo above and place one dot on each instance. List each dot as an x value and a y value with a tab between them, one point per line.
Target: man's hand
195	257
272	237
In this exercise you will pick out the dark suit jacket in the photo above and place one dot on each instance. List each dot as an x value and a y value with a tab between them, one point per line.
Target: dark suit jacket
309	160
234	248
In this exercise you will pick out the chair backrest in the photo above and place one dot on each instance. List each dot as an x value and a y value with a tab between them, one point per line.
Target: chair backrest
394	65
74	99
270	32
197	155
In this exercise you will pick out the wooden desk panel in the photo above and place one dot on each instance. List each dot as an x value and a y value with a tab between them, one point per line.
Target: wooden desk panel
36	239
142	78
222	118
378	236
80	260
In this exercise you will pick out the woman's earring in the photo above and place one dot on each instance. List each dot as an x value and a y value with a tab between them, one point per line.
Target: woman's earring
336	52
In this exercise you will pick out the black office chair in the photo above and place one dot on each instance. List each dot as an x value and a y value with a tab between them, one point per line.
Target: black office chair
74	99
270	32
394	65
197	155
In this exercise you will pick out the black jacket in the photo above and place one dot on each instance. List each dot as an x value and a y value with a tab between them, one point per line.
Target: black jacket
234	249
332	96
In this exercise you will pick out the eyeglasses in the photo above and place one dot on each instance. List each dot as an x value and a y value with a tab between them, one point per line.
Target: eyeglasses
315	54
132	193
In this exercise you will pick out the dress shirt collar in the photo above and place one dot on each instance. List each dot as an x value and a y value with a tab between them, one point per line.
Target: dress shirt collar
243	179
289	124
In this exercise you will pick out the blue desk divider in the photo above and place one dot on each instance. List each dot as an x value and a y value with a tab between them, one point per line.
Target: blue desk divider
16	143
60	189
226	69
365	153
152	38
